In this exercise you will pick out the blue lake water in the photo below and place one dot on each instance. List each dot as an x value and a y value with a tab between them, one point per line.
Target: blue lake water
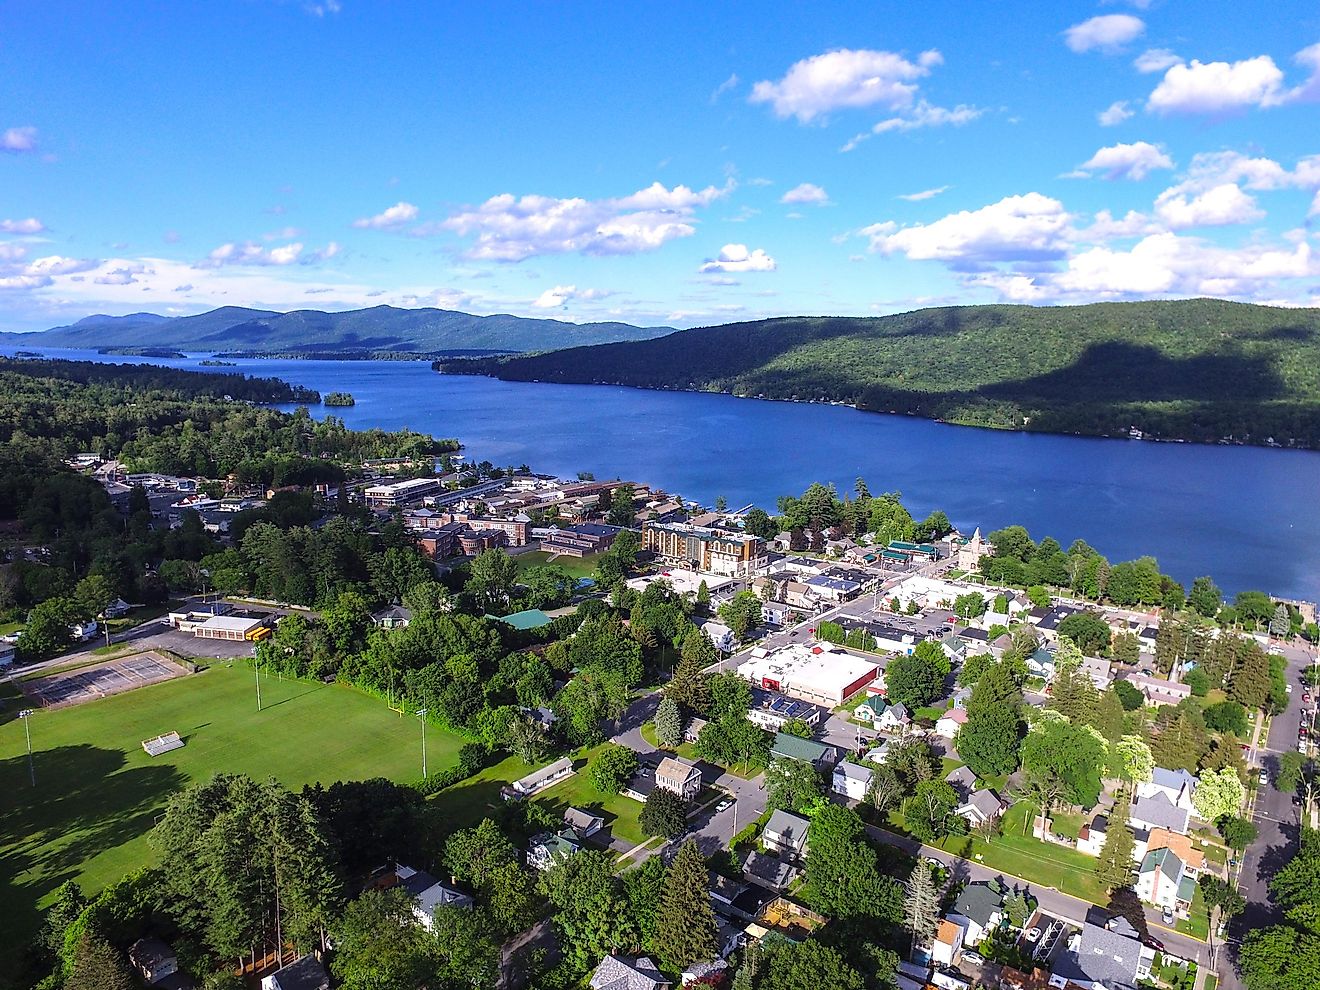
1248	516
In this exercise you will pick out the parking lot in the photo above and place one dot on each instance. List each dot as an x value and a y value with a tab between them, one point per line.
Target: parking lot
159	636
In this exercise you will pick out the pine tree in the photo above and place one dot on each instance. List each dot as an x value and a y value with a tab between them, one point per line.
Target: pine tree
1114	868
745	978
1251	681
668	724
97	965
688	685
921	907
703	599
685	923
1281	623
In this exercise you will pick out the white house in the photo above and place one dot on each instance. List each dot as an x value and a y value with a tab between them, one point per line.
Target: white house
584	823
1177	786
983	806
948	943
721	635
852	780
153	959
950	722
679	776
786	834
1158	691
1163	880
894	718
547	849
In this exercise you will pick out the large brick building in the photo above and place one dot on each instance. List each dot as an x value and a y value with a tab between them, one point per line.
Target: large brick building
715	551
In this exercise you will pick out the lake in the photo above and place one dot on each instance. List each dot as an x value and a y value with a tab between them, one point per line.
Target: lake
1245	515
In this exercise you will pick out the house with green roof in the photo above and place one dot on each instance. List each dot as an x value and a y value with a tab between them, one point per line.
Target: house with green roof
820	755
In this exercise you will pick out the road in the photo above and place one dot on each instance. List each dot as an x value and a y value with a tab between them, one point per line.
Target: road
1276	817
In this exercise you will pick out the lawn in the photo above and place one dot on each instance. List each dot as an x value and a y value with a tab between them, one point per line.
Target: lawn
578	567
1067	824
1198	924
98	793
688	751
1043	863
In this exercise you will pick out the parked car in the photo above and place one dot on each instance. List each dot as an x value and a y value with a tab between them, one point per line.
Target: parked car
1151	942
973	958
1306	698
1167	916
724	805
1031	934
1264	777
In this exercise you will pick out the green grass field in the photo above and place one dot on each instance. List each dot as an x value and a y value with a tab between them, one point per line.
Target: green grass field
578	567
98	793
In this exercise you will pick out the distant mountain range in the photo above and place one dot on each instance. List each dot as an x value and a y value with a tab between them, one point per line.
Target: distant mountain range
1195	369
380	328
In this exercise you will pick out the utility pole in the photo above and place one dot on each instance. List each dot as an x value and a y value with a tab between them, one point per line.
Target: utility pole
25	715
256	674
421	714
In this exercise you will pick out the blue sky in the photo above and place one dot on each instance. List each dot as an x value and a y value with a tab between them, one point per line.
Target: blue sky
675	163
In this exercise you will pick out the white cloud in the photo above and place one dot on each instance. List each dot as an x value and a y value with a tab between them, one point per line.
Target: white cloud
925	194
1031	227
1156	60
1310	90
11	252
252	253
1216	87
1115	113
1224	204
124	275
1125	161
724	87
845	79
1108	33
736	258
561	294
29	226
1314	211
390	219
1105	228
806	192
18	140
57	265
926	115
510	228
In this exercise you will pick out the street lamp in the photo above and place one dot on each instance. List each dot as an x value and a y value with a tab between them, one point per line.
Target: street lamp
421	714
26	714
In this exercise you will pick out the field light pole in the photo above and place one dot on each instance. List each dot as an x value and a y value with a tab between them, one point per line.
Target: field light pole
421	715
26	714
256	673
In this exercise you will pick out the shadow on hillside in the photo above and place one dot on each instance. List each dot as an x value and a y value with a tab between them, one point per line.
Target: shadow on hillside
85	799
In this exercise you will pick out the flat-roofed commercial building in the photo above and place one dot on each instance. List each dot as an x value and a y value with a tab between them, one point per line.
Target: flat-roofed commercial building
395	493
823	675
714	550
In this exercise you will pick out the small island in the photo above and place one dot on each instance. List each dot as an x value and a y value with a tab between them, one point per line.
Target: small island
147	352
215	363
340	399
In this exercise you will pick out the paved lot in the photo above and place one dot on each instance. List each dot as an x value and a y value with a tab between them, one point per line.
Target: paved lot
114	676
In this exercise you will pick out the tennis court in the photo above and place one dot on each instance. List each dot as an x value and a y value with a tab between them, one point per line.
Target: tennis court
111	677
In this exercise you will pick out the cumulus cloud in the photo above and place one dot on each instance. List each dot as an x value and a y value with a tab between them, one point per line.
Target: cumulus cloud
511	228
1125	161
57	265
398	215
29	226
18	140
1115	113
845	79
1108	33
927	115
1156	60
16	273
252	253
123	275
737	258
561	294
1217	87
806	192
924	194
1030	227
1217	207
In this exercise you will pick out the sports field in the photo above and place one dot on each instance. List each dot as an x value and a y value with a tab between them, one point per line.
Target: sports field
98	793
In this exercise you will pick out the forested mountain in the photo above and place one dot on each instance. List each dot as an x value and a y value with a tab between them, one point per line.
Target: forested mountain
380	328
1196	369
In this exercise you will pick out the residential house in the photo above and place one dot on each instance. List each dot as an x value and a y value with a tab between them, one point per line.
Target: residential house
963	781
539	780
948	943
394	617
720	635
978	910
547	849
1176	785
1158	691
1100	959
1041	663
712	973
1091	836
679	776
871	710
981	807
820	755
628	973
786	834
117	609
429	894
584	823
1160	878
693	730
1182	845
153	959
852	780
1098	670
1157	811
769	872
305	973
950	722
894	719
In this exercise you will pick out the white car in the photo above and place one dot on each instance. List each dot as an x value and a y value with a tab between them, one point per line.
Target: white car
973	958
1031	934
724	805
1289	689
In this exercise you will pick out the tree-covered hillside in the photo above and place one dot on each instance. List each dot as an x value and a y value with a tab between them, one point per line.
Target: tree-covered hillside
1198	369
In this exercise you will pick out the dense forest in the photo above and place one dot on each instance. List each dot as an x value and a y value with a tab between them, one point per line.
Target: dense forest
1195	369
